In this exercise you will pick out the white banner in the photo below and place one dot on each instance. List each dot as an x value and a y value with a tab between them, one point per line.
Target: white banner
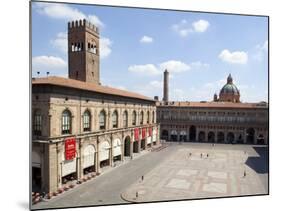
104	151
89	156
116	147
68	167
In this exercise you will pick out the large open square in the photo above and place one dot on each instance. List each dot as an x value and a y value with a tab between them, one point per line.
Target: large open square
179	171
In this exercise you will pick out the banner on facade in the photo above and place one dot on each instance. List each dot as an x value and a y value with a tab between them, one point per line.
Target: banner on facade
150	131
70	148
143	133
136	134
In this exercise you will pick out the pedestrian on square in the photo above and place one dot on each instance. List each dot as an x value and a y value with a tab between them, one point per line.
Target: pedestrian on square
201	155
207	155
142	177
137	194
244	173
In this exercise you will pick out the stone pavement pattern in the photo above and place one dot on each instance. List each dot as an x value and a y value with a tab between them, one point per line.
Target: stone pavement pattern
171	174
187	175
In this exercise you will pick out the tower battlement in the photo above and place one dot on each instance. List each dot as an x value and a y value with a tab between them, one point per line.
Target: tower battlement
82	24
83	51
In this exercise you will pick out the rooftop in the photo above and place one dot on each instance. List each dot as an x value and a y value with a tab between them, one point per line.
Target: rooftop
205	104
71	83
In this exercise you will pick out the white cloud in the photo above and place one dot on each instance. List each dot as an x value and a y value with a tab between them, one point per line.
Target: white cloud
178	95
199	64
105	47
60	42
48	63
146	39
156	84
147	69
200	26
183	28
261	51
65	12
174	66
235	57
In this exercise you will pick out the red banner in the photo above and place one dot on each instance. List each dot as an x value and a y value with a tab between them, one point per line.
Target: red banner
136	133
150	131
70	148
143	133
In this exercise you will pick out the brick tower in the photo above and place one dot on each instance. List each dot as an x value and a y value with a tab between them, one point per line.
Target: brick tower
83	51
166	86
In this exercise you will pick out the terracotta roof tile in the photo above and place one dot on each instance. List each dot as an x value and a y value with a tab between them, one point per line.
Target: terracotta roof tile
71	83
214	104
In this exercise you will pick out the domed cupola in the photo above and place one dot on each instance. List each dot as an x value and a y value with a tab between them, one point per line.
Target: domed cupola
229	92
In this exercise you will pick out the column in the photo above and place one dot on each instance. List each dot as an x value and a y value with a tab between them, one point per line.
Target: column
97	157
111	152
245	136
255	137
132	143
216	136
225	137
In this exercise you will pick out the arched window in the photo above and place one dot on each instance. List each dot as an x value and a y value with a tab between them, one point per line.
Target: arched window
115	119
125	119
147	117
66	122
102	120
87	121
153	117
134	118
141	117
37	123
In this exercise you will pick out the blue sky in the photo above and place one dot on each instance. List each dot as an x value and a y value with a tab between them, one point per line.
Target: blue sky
198	49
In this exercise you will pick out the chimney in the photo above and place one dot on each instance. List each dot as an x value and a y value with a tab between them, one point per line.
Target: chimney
166	86
156	98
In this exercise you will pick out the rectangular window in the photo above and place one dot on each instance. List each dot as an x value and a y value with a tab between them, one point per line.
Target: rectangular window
37	125
86	123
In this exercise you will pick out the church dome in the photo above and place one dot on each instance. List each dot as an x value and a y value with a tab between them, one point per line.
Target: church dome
229	91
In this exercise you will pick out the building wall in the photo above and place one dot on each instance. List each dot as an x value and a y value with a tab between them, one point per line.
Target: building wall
176	120
50	146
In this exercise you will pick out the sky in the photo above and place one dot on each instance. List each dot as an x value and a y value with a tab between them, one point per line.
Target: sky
136	45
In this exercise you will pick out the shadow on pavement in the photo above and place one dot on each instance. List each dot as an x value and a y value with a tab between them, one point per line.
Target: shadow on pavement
260	163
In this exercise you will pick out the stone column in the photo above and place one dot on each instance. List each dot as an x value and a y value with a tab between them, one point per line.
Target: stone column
111	152
216	136
79	167
225	137
245	136
255	137
97	156
132	143
197	135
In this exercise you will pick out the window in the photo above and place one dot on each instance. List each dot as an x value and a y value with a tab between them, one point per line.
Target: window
141	117
37	126
115	119
134	118
153	118
102	121
66	122
86	121
148	116
125	119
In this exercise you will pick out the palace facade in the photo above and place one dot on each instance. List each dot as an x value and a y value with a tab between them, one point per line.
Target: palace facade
80	127
224	120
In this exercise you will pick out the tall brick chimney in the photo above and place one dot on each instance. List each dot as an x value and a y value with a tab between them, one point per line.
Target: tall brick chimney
166	86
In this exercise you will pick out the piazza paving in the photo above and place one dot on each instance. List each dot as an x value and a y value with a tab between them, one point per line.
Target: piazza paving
191	173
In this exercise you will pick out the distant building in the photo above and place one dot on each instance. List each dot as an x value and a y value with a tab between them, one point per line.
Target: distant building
225	120
80	126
